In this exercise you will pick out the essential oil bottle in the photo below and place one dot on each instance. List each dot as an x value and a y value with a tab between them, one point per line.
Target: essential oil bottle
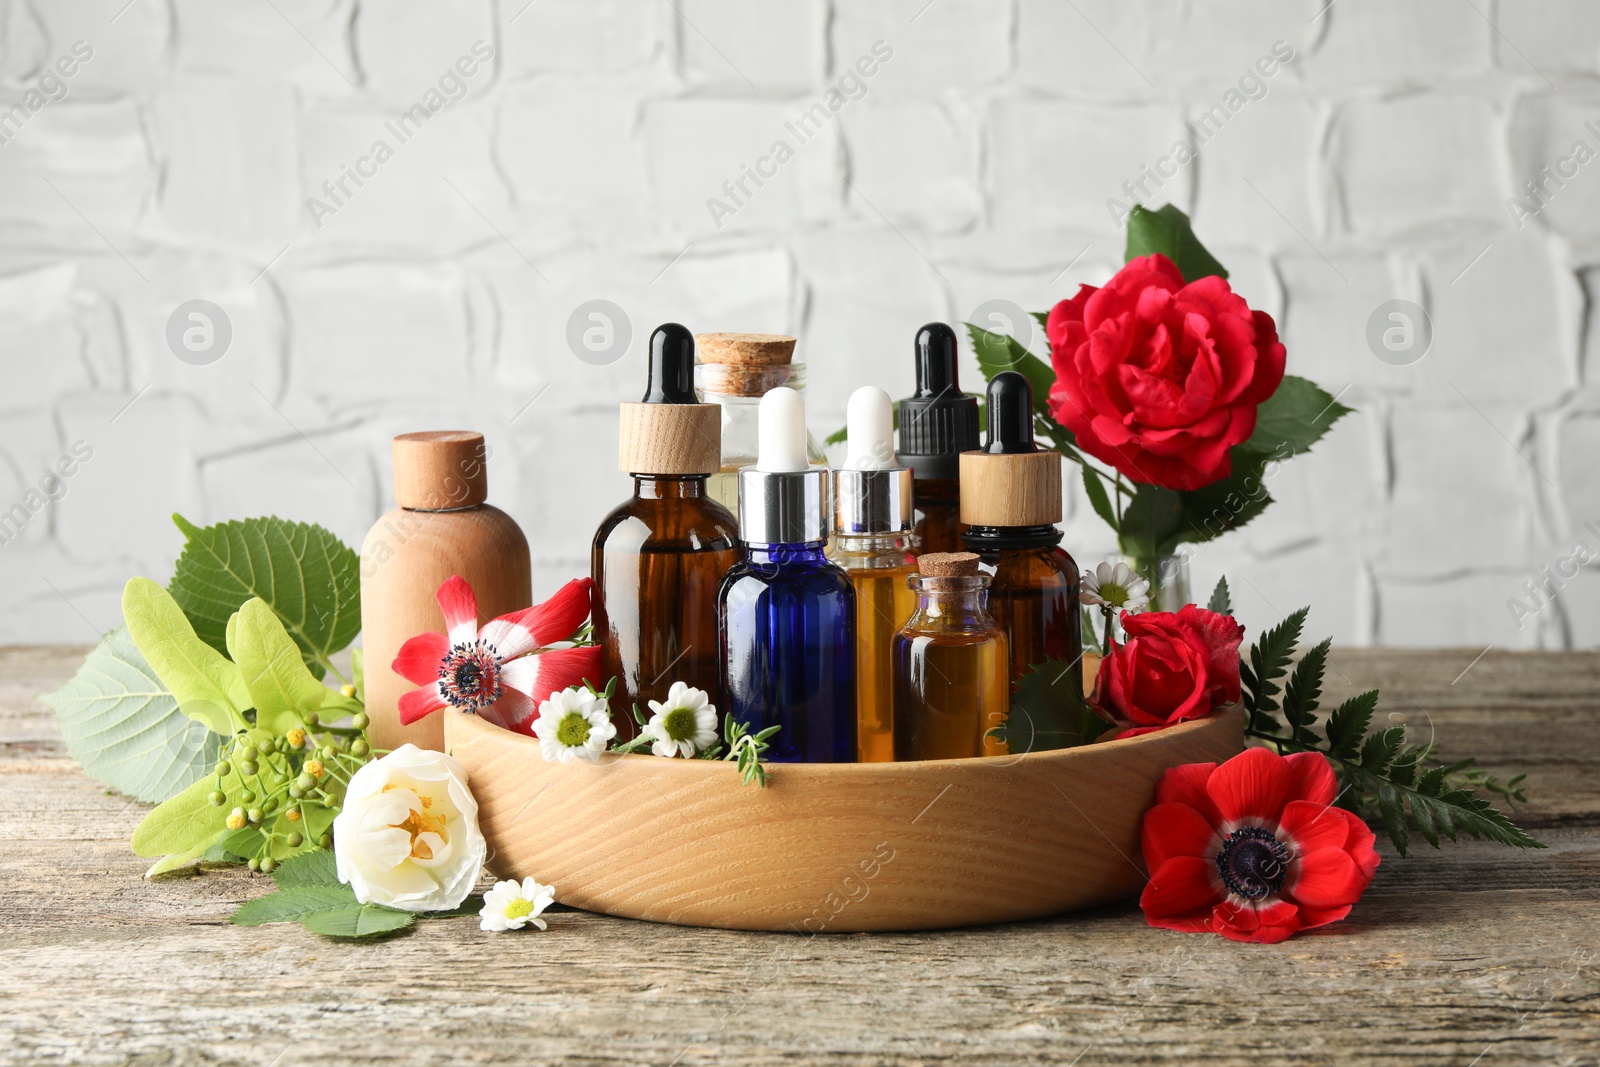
1011	501
936	425
872	499
658	560
952	681
788	615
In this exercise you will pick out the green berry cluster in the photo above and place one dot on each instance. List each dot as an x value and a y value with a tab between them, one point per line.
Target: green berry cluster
285	789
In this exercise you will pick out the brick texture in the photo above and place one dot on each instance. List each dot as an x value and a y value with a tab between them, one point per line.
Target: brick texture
936	156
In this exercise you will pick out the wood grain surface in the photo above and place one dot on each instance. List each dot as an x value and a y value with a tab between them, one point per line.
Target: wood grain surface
1473	955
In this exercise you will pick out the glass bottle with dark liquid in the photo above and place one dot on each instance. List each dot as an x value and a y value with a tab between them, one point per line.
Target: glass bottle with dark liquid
1011	501
658	560
937	424
952	676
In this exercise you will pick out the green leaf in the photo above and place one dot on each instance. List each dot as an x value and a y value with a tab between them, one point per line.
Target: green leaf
1151	521
124	728
1269	661
998	352
281	687
1220	601
1098	498
1049	712
305	574
1348	724
1392	810
206	685
168	864
293	905
1381	748
1043	319
187	821
1224	505
358	674
358	920
247	843
1293	418
1169	232
1304	690
316	867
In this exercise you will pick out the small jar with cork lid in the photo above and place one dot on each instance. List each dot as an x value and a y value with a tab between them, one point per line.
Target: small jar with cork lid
1010	503
952	679
734	371
441	526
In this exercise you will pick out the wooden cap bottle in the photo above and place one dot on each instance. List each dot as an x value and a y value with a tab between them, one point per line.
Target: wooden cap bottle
1010	481
670	431
441	527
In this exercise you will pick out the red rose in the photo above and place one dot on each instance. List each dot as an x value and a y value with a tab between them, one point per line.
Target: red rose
1172	667
1253	850
1158	378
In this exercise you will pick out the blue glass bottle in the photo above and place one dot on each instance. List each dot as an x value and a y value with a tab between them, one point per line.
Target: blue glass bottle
786	615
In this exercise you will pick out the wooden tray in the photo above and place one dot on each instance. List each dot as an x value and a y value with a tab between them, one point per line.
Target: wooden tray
830	848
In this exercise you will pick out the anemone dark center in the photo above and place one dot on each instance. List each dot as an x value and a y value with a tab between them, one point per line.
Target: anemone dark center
469	676
1253	863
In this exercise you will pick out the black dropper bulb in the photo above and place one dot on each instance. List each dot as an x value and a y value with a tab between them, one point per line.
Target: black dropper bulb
671	366
936	362
1010	414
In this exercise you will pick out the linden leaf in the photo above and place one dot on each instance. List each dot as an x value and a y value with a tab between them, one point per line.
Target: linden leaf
358	920
293	904
187	821
282	689
205	683
316	867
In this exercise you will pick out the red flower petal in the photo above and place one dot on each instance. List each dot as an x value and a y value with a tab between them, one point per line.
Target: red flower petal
1311	826
420	703
1312	777
1267	922
1254	784
1182	887
1172	830
418	661
1311	918
460	607
1326	878
1186	784
540	675
514	711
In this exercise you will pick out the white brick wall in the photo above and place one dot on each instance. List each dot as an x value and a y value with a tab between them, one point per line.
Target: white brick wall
973	164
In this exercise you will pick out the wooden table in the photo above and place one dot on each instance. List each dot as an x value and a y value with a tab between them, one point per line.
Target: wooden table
1476	954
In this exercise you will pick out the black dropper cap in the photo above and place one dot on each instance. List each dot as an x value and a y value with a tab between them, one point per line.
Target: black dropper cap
671	366
939	422
1010	414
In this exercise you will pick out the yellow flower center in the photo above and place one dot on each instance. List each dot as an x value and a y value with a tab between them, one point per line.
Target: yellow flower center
518	908
418	823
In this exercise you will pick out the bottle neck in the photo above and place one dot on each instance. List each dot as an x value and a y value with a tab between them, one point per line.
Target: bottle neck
669	486
1003	537
770	555
951	603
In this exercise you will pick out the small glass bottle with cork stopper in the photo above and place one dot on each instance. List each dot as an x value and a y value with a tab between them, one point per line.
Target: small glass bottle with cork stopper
735	370
937	424
659	558
872	501
952	681
1011	501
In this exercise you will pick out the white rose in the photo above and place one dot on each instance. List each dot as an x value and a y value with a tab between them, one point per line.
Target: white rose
408	836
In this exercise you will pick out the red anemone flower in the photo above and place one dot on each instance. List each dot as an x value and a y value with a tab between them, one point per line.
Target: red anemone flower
1253	850
503	671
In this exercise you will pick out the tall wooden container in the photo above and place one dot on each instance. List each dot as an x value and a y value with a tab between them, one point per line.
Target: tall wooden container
441	526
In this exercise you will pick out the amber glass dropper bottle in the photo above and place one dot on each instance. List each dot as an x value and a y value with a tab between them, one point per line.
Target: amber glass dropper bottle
871	541
658	559
936	425
1011	501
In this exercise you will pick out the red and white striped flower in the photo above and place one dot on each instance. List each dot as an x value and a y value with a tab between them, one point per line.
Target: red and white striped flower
504	670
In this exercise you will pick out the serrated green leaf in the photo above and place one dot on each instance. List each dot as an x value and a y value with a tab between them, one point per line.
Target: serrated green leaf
309	578
358	920
1049	712
1167	230
1391	808
1293	418
206	685
124	728
998	352
294	904
1380	749
1348	724
281	687
168	864
1098	498
187	821
1151	520
1221	602
316	867
1304	690
1269	661
1224	505
1042	318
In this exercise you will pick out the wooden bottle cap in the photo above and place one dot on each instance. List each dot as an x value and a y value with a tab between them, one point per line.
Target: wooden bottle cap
670	439
948	565
1011	488
745	349
440	470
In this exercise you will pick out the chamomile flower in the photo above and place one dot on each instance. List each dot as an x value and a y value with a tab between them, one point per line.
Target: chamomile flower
1115	587
684	723
574	724
511	905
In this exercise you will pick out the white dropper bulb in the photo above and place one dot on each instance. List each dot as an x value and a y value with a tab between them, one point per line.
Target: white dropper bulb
870	422
781	432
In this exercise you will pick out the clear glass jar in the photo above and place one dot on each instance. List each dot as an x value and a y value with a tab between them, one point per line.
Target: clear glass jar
951	677
737	389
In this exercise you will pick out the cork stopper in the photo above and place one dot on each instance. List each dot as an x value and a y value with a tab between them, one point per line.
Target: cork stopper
669	431
744	364
948	565
440	470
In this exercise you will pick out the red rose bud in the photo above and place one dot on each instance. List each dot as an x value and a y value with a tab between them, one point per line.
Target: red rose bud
1158	378
1173	667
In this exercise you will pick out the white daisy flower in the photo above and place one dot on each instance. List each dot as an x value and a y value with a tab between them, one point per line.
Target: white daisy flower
1115	587
574	723
684	723
510	906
